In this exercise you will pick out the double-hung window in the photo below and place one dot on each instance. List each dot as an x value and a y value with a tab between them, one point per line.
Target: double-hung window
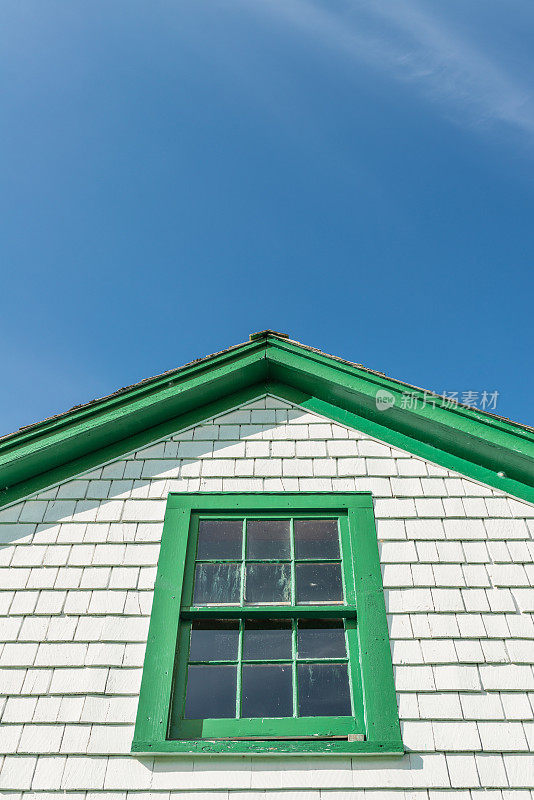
268	630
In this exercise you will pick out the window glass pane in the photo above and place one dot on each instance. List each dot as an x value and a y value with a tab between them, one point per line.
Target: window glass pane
217	583
268	583
267	639
268	538
220	538
216	640
323	690
316	538
211	692
267	691
317	638
318	582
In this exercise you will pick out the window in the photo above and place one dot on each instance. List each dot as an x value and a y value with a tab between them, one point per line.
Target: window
268	630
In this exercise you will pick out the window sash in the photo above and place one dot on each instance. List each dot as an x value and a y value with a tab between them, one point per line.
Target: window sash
268	727
180	728
345	560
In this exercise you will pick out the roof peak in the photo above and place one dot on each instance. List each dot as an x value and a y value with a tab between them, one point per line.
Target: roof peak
264	334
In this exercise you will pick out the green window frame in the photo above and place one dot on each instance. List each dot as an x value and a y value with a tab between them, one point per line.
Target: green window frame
373	723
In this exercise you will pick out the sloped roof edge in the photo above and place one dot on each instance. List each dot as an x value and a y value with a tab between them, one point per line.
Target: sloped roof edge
175	371
492	442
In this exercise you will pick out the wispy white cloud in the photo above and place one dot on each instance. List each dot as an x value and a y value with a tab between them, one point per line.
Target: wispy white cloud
411	44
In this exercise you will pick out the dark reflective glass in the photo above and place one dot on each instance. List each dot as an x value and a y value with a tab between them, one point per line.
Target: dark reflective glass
323	690
220	538
268	538
267	639
216	640
318	583
321	638
316	538
211	692
267	691
217	583
268	583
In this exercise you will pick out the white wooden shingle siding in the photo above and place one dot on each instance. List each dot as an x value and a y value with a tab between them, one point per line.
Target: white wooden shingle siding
77	568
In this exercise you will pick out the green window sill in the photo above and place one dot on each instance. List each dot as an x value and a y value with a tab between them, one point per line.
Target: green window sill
199	747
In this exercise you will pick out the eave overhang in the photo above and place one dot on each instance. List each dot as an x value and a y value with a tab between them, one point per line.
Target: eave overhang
481	446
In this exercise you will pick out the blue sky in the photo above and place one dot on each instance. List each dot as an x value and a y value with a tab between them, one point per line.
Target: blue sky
177	175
